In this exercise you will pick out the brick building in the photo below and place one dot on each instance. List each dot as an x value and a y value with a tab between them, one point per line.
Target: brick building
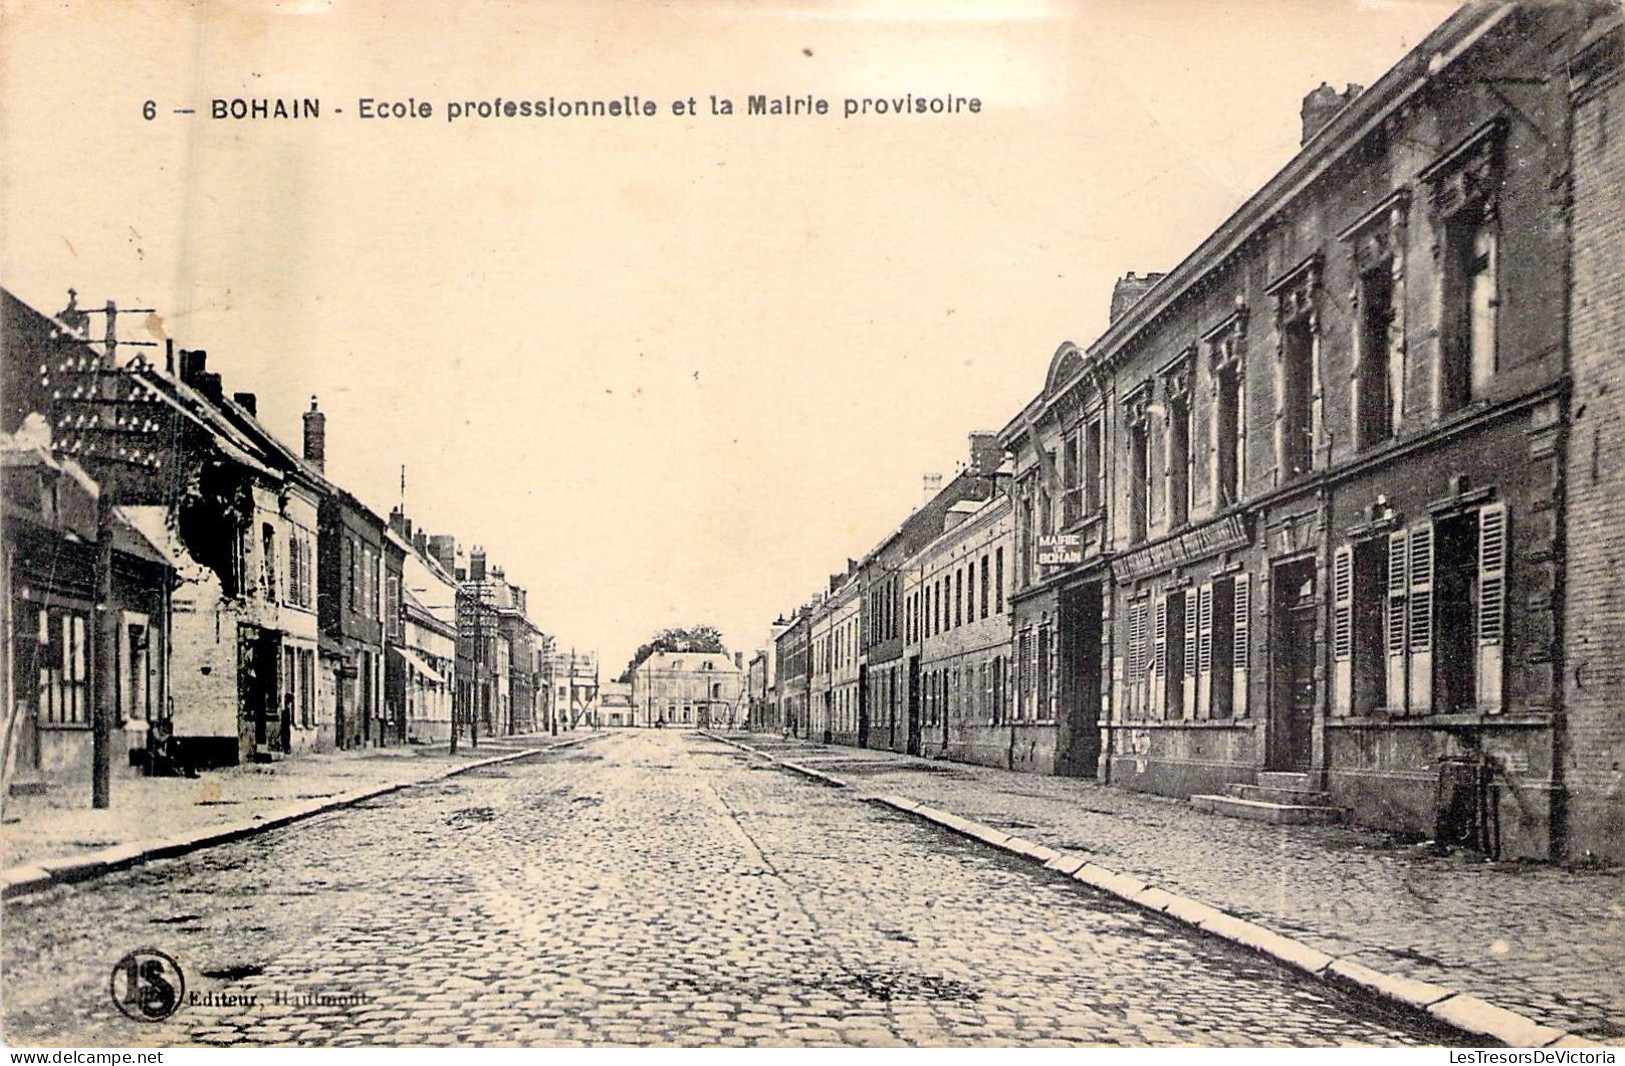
1593	624
1327	521
957	624
843	656
1335	441
791	665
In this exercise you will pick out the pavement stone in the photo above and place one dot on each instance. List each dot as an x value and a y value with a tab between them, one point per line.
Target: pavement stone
1541	940
722	906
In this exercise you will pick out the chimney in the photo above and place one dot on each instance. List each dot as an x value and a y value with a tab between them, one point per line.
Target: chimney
1322	105
420	542
1128	290
316	437
248	402
739	660
195	372
476	564
985	453
443	550
931	484
398	524
193	363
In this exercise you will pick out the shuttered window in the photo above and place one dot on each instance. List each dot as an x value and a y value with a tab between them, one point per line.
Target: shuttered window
1492	588
1241	647
1342	630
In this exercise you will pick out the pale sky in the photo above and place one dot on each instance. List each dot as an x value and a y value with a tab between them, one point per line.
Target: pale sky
666	370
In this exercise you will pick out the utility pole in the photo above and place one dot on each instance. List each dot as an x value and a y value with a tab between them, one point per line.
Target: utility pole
101	782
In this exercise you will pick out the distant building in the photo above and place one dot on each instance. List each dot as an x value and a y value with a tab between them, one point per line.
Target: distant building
695	689
615	704
573	676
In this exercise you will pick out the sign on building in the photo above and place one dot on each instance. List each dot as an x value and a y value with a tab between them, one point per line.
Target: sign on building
1060	549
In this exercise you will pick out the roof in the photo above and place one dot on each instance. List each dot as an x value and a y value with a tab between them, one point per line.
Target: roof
76	514
691	661
1340	135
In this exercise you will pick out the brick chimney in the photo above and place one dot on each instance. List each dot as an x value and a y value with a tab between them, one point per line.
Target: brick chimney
986	454
1128	290
476	564
195	372
315	437
931	484
420	542
248	402
1322	105
399	524
443	550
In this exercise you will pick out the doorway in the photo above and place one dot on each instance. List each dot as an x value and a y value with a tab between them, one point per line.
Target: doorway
914	705
1293	692
1078	737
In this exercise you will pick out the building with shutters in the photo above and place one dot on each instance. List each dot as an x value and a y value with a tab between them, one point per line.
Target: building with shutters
1324	524
1332	500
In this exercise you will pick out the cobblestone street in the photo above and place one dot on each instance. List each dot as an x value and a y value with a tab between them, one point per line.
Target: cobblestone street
647	888
1503	931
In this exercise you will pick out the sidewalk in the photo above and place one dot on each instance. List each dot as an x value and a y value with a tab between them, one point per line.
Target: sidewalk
59	827
1541	940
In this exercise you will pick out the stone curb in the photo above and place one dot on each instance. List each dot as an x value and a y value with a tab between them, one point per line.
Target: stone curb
818	775
47	873
1469	1014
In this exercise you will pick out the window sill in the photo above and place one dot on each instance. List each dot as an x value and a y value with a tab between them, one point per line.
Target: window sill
1078	525
1470	719
1180	723
71	727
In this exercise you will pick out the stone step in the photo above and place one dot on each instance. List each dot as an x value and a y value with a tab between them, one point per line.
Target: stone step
1283	779
28	785
1303	796
1264	811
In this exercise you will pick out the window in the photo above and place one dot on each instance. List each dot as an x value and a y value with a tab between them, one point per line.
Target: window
997	683
1139	481
984	583
1380	358
64	667
295	585
1178	462
1445	618
268	561
998	580
959	597
352	567
1470	310
135	693
1072	494
1359	589
1297	399
1045	674
1227	433
1024	533
1094	468
1179	653
392	594
1026	663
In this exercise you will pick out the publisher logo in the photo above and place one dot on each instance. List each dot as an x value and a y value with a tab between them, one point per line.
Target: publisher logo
147	985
